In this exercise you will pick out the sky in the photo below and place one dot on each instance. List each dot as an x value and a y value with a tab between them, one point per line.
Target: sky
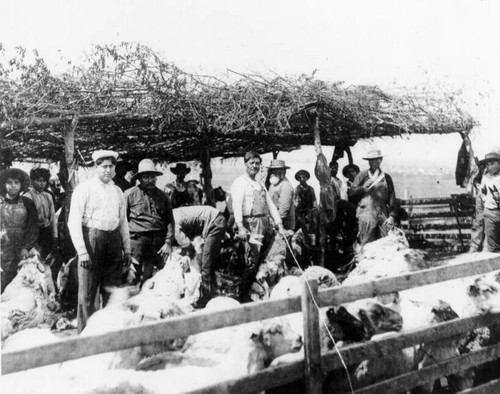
453	44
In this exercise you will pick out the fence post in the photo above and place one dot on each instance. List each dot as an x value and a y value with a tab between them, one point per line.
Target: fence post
312	344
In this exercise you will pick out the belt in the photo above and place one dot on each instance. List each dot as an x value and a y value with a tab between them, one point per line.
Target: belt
254	216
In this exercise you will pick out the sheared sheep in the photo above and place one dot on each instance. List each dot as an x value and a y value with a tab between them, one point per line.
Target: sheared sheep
29	300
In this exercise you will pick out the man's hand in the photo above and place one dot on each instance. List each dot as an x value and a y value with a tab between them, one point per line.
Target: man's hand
127	259
23	254
243	233
86	263
165	250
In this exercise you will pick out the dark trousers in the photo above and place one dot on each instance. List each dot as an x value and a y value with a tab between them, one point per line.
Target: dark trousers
105	251
255	225
45	241
210	253
492	229
145	247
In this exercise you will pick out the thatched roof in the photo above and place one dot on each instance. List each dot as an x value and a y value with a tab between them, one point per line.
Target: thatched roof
128	99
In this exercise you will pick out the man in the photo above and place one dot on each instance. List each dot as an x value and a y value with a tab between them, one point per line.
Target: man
18	222
177	191
282	194
99	230
490	191
209	223
350	171
376	210
252	206
47	225
151	221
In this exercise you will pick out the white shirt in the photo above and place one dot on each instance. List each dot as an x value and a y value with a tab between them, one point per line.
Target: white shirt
489	186
242	195
97	205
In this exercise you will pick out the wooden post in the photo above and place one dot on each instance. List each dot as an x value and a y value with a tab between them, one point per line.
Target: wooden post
312	344
206	171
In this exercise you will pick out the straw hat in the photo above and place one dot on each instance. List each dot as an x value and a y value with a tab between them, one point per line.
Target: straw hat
278	164
100	154
373	154
17	174
491	156
302	173
180	166
146	166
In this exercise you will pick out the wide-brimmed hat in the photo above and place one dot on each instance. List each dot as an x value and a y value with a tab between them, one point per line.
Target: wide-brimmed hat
491	156
180	166
349	167
302	173
17	174
146	166
100	154
373	154
277	164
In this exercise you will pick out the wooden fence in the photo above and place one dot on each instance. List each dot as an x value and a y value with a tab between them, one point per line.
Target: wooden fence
315	365
441	224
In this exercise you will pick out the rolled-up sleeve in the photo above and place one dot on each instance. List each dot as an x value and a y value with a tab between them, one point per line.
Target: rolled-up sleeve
75	221
124	229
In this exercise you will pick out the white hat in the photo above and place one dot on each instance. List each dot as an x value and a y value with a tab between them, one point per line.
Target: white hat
99	154
146	166
373	154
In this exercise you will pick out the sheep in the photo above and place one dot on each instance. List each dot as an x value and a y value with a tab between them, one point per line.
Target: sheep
29	300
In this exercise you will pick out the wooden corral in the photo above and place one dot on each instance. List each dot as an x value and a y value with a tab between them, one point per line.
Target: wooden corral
315	365
440	224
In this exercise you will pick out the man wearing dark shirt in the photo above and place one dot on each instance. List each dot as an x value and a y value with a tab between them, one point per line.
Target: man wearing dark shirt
209	223
151	222
18	222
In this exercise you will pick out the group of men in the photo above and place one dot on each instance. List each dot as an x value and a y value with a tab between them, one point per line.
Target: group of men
111	229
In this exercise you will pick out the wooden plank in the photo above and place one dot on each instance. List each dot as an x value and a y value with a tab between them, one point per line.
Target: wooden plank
312	344
431	373
444	214
82	346
452	236
486	388
257	382
356	353
425	201
347	293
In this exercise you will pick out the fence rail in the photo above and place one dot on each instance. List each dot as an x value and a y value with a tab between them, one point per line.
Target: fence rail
315	365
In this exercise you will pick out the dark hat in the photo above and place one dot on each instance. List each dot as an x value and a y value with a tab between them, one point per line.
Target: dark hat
180	166
349	167
492	156
17	174
302	172
38	172
146	166
277	164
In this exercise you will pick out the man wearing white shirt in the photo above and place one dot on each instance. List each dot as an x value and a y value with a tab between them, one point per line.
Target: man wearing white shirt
99	230
490	192
252	206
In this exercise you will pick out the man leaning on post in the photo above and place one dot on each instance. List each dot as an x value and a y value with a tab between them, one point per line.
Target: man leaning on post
99	230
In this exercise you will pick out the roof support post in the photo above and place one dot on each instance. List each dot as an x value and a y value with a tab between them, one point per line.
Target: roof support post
206	170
